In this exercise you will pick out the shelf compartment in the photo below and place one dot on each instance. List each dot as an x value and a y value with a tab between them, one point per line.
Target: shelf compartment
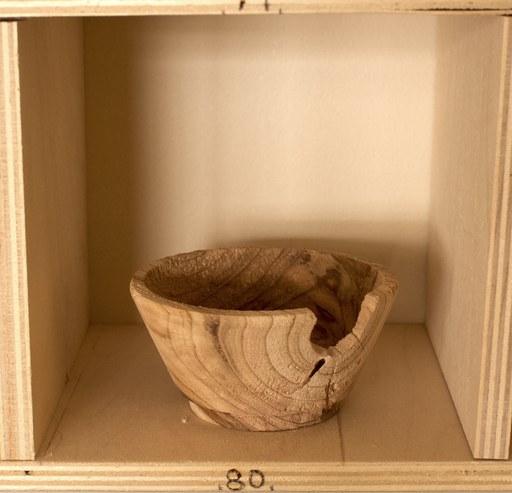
53	123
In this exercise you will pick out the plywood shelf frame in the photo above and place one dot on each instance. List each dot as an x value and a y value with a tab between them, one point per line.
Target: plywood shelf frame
305	476
480	476
16	439
34	8
494	412
475	223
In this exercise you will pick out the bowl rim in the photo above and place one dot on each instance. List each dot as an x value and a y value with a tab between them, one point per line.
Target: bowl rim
384	283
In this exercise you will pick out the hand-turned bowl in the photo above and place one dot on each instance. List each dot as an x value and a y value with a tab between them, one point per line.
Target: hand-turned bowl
263	339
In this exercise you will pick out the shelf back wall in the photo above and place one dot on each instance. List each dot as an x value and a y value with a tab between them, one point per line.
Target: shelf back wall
289	130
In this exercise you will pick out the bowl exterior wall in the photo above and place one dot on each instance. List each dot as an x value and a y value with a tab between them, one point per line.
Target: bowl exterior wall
259	371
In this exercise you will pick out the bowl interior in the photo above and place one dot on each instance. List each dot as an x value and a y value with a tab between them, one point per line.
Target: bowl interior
331	285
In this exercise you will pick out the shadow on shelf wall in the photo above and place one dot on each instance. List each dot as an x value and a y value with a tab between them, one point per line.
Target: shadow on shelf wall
402	249
194	144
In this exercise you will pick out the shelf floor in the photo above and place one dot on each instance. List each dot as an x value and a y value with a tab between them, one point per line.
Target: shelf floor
121	406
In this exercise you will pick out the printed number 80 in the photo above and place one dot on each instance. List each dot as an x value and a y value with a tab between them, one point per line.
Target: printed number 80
256	479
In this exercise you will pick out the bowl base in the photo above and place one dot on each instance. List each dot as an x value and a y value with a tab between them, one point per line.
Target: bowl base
259	423
198	411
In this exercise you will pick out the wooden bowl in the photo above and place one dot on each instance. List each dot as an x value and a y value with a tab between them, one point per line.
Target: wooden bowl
263	339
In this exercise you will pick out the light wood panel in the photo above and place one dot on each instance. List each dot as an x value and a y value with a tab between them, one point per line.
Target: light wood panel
469	257
52	112
13	8
16	441
285	476
495	409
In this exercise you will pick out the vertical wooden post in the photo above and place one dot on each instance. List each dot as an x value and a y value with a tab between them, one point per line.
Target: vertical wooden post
495	405
16	424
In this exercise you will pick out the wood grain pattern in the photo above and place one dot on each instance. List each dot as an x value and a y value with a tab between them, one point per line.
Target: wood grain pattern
16	440
363	476
468	314
263	339
495	406
17	8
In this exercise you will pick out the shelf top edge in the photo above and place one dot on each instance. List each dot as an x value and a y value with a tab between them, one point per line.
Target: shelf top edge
15	9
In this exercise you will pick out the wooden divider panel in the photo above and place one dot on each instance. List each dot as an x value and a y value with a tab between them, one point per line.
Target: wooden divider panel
469	252
52	114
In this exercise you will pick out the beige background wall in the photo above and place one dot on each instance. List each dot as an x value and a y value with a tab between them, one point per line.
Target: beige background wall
288	130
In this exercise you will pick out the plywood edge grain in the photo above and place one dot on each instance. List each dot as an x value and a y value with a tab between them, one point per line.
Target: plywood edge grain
495	400
285	476
31	8
16	440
